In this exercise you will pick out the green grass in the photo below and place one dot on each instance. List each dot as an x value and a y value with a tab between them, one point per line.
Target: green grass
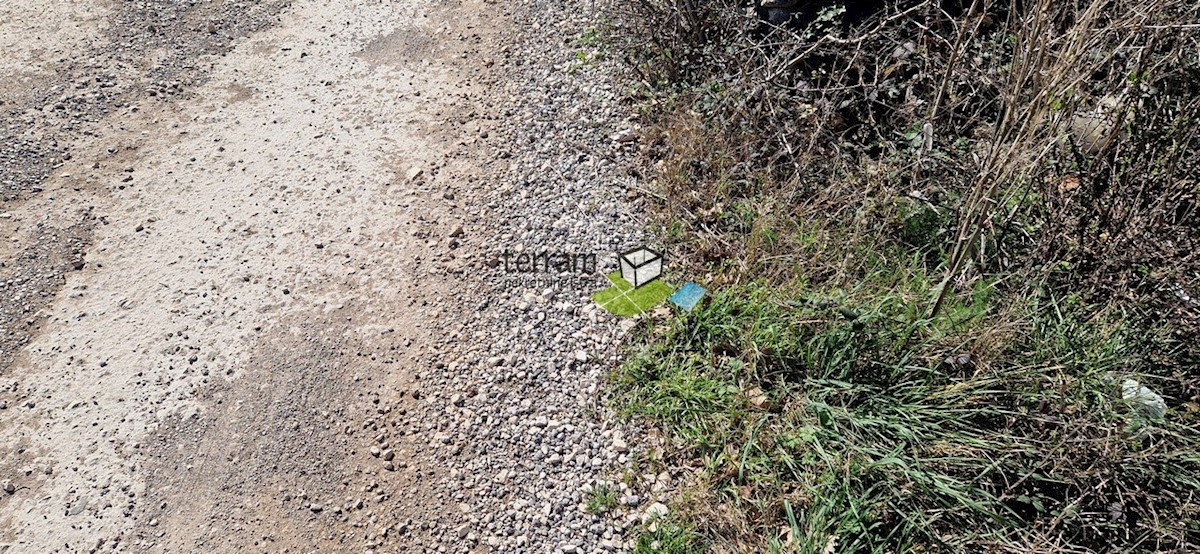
594	35
869	440
669	538
603	499
815	401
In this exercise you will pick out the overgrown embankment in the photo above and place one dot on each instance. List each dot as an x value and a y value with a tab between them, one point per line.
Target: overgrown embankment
945	240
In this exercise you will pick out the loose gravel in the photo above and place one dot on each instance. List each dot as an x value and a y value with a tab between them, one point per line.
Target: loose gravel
515	392
485	431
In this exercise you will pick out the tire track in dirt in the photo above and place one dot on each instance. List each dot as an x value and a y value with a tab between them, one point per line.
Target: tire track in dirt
68	65
259	272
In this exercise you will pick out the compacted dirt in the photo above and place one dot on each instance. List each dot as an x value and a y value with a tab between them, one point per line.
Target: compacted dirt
228	234
251	297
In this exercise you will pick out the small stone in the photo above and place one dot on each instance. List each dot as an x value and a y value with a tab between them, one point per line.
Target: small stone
656	511
79	506
8	486
581	356
620	445
316	508
625	136
457	232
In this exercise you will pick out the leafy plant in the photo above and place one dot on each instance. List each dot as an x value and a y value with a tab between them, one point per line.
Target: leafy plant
603	498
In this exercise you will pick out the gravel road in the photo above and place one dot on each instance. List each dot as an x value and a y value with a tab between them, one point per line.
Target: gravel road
252	289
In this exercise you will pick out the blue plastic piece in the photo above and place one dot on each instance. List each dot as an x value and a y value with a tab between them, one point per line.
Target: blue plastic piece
688	296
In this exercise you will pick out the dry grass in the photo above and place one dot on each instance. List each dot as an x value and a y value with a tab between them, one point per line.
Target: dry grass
877	193
967	113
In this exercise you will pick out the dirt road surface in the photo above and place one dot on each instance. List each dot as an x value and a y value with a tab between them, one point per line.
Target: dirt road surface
229	231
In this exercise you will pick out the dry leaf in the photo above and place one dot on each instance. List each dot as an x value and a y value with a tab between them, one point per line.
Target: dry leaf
831	546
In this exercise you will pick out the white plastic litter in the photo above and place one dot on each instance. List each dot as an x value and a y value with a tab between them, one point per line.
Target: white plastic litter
1149	404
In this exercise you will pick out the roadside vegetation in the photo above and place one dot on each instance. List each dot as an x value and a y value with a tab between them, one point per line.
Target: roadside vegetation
943	240
603	498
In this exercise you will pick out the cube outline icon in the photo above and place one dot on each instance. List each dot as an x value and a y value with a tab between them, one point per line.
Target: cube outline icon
641	265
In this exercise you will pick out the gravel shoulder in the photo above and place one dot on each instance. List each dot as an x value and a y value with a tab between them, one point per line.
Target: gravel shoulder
257	305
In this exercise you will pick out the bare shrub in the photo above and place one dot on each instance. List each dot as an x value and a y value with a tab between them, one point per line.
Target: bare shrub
1019	121
1040	148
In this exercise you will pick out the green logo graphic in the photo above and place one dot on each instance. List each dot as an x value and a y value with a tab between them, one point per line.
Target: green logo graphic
636	287
624	299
